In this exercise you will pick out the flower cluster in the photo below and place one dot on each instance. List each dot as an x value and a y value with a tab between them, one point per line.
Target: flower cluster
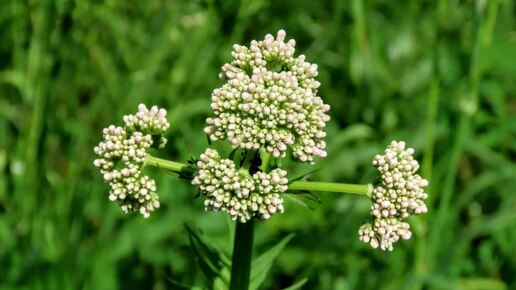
235	191
270	100
400	194
122	155
384	232
153	122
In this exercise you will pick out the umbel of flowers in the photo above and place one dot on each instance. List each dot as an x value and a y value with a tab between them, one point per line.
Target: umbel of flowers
399	195
270	101
122	155
235	191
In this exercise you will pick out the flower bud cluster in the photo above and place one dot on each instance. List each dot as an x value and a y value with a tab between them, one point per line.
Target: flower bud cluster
400	195
153	122
235	191
122	155
270	100
384	232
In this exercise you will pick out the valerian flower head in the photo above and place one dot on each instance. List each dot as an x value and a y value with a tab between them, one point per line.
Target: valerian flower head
122	155
384	232
401	192
111	149
133	191
242	195
270	100
399	195
153	122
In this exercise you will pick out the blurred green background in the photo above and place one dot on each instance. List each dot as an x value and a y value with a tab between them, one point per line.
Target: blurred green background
440	75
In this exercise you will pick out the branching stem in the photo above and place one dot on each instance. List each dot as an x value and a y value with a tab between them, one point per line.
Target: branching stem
363	189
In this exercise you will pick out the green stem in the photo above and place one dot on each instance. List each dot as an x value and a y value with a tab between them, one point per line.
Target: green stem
266	160
175	167
248	158
242	256
363	189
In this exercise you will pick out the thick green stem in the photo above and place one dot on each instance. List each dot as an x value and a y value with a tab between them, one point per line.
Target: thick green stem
242	256
248	158
266	160
175	167
243	242
363	189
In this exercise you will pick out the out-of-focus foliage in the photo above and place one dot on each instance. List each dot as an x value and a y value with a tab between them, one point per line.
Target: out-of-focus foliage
437	74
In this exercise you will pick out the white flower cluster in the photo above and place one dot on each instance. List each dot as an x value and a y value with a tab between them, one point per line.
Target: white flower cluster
384	232
400	194
235	191
153	122
270	100
122	156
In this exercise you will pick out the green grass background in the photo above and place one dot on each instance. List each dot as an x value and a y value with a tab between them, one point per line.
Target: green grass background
440	75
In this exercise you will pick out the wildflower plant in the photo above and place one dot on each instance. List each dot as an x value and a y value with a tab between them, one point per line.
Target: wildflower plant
267	109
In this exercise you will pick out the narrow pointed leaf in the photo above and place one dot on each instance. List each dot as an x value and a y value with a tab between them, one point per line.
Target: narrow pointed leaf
297	285
303	175
180	286
213	263
304	199
262	264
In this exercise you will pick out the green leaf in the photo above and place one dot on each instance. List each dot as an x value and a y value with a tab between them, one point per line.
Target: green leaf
232	154
214	264
297	285
303	175
309	198
482	283
262	264
180	286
